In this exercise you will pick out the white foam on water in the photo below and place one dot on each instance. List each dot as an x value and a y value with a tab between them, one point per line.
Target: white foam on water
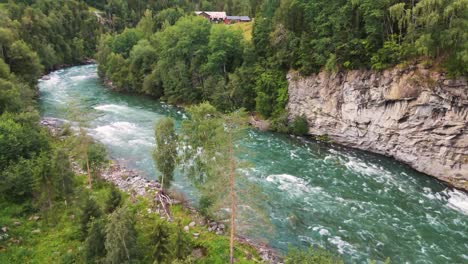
113	108
292	184
127	111
117	132
454	199
83	77
342	246
324	232
457	200
377	173
143	142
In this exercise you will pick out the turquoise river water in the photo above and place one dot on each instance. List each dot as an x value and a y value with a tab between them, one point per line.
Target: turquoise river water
359	205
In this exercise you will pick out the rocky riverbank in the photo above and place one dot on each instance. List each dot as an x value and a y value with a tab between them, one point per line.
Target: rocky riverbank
416	115
131	181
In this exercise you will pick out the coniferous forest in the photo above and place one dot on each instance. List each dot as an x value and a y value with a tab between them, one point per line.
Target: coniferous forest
55	207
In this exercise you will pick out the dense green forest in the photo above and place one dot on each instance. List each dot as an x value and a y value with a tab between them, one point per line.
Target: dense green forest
184	59
160	48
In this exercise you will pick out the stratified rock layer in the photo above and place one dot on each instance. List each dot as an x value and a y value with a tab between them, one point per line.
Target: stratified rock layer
415	115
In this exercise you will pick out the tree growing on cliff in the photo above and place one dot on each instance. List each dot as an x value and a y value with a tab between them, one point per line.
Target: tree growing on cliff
165	153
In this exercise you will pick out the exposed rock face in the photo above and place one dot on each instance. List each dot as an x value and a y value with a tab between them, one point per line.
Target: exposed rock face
415	115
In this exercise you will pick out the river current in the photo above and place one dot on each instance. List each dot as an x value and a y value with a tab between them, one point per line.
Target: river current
357	204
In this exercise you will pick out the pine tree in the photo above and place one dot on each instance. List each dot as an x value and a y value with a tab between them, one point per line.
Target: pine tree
95	249
121	237
89	211
165	153
161	241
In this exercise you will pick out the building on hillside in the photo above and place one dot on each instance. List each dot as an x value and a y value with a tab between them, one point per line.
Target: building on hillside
236	19
215	17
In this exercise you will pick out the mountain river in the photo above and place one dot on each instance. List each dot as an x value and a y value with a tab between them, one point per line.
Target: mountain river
360	205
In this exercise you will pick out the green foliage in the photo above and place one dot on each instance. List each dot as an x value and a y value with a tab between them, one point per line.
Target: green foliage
24	62
182	51
124	42
97	158
20	137
16	181
280	123
312	256
9	97
142	58
121	236
165	153
390	54
271	88
299	126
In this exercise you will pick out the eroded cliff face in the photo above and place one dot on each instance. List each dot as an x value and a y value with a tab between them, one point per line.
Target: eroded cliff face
415	115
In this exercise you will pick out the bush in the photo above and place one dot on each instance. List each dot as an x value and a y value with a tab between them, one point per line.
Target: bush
280	123
299	126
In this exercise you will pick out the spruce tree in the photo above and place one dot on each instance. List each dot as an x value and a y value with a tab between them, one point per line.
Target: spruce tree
114	200
182	245
121	237
89	211
44	182
161	241
95	250
63	174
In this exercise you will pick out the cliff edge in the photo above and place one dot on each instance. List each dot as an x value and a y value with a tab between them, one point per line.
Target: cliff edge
416	115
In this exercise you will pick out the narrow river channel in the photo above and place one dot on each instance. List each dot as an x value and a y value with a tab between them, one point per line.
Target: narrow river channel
357	204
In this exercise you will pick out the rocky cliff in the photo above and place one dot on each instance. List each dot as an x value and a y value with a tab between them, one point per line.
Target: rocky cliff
415	115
